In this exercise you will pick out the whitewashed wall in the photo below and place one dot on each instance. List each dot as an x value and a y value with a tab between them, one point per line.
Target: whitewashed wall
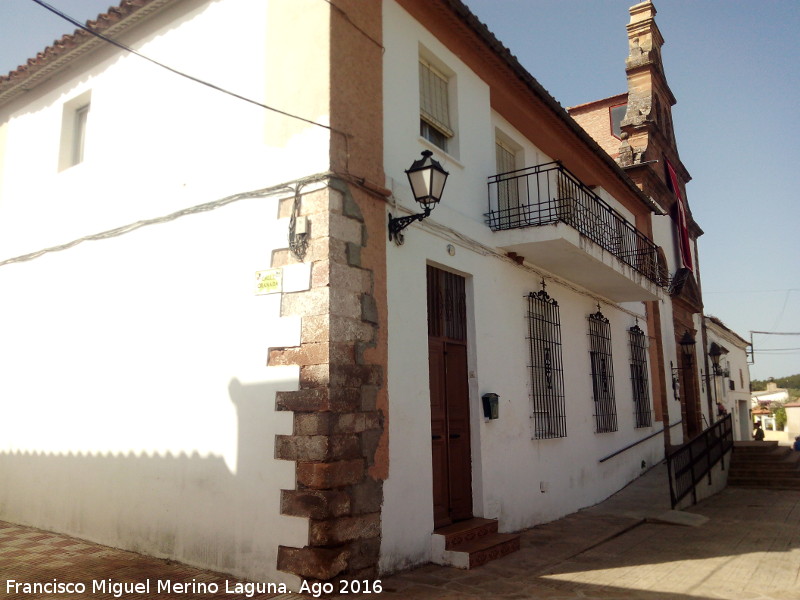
737	400
137	410
509	468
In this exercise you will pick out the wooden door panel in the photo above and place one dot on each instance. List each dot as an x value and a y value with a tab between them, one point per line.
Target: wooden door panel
460	456
449	394
441	495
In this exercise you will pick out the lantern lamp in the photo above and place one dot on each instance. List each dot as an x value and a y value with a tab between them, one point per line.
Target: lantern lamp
427	178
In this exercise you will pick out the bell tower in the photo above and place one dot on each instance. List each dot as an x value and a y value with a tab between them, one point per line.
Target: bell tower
647	126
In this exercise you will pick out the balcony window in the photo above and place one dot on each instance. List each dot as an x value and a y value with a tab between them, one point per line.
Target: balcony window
508	189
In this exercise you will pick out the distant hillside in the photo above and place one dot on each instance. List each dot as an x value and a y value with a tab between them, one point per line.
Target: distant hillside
792	383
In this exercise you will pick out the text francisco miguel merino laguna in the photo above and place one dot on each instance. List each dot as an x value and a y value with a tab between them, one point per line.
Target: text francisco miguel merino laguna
167	586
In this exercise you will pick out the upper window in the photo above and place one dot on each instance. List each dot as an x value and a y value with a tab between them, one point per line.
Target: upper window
434	106
74	120
79	134
617	113
507	187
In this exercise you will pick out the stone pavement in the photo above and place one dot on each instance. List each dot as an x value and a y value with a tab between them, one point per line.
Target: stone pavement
742	544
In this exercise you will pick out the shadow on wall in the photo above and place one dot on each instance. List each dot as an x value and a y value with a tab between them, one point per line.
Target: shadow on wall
185	506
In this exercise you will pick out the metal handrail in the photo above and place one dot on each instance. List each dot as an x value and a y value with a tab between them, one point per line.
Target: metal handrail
548	193
693	461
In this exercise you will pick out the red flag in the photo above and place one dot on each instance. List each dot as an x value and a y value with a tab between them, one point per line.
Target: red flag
683	227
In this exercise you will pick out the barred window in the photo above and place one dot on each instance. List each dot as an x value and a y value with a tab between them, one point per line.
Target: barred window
546	370
434	106
641	391
605	409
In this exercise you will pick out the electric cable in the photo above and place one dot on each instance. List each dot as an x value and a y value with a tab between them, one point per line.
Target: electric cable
122	46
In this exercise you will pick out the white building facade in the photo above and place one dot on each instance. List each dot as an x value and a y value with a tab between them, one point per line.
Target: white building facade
214	351
729	380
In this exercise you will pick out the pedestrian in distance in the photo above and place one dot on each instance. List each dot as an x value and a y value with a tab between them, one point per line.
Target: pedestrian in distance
758	434
796	445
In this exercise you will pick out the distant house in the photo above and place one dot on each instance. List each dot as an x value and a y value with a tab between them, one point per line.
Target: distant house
772	394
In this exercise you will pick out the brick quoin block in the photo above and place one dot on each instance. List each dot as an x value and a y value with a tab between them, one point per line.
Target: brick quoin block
318	447
362	556
343	529
366	497
305	400
321	476
312	354
313	563
315	504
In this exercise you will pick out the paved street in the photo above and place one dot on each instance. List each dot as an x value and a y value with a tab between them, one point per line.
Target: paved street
741	544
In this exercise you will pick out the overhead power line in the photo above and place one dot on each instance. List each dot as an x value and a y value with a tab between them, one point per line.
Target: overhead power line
122	46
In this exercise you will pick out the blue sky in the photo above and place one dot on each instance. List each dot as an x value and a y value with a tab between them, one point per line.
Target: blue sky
732	65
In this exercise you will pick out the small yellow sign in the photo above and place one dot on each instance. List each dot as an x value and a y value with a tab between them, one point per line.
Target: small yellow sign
269	281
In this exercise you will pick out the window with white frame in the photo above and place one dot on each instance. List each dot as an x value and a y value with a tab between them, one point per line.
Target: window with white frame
74	120
434	106
507	187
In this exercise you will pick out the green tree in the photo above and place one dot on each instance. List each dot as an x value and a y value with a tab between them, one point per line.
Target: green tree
779	411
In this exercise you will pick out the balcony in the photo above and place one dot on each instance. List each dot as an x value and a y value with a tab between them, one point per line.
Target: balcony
587	241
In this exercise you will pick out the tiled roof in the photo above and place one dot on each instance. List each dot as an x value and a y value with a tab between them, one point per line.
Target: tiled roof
74	45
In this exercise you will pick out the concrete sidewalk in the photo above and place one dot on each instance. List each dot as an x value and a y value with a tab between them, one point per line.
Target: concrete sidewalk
740	544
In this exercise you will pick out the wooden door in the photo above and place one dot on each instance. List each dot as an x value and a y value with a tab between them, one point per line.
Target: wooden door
449	389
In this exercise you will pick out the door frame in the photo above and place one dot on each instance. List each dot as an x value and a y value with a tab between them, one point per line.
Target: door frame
475	420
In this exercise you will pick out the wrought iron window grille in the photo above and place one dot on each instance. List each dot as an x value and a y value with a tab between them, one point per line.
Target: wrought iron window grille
639	383
548	193
546	367
605	409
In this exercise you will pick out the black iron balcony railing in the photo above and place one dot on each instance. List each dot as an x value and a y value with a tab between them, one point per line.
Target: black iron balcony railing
547	194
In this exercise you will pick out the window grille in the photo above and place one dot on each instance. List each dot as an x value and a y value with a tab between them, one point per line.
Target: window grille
641	393
605	410
546	370
434	105
447	305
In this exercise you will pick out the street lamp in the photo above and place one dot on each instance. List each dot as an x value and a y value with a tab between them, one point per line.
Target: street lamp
687	344
714	353
427	179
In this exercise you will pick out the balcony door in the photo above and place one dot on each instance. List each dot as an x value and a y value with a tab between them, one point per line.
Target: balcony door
449	392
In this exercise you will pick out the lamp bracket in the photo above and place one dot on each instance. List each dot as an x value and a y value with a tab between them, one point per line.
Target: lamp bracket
396	225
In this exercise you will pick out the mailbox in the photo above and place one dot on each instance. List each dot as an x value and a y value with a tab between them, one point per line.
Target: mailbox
491	405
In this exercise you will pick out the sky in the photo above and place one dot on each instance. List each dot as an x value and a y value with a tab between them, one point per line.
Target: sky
732	66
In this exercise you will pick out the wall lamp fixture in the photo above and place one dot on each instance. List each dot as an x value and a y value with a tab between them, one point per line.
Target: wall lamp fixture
714	353
427	179
687	344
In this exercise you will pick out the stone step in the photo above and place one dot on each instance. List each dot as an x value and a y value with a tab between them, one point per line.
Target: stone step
466	531
471	543
482	550
776	453
765	483
779	470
